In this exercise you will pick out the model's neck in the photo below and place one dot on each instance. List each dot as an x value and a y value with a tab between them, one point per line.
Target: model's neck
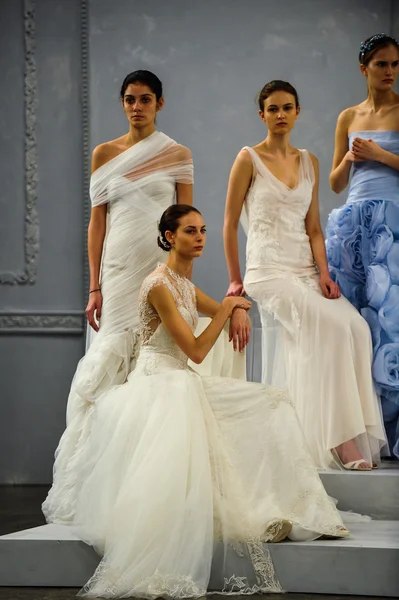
137	135
180	264
277	144
378	99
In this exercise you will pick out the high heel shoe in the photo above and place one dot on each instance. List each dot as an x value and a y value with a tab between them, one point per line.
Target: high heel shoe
277	530
352	465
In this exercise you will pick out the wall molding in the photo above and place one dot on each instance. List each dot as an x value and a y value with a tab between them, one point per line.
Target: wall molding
42	322
85	93
31	229
64	322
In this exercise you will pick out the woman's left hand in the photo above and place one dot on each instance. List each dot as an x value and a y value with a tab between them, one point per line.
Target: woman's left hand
240	329
366	149
329	288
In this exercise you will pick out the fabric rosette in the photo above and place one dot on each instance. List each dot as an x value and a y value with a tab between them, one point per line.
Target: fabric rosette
352	255
378	282
381	243
354	292
392	217
386	369
388	314
393	262
344	220
371	317
333	249
372	214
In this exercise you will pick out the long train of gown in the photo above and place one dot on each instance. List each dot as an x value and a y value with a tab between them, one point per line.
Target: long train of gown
363	255
321	349
137	186
181	470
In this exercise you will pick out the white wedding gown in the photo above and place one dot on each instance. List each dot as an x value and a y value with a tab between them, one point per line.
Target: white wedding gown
319	349
180	470
137	186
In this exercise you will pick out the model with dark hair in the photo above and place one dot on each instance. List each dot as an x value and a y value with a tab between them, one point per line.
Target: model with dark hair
313	340
363	234
134	178
183	473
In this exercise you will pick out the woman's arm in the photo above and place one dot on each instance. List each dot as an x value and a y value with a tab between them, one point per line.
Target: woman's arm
343	157
239	183
184	193
240	321
95	242
313	228
195	348
205	305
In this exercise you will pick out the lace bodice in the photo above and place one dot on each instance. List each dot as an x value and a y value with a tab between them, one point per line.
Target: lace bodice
157	348
274	217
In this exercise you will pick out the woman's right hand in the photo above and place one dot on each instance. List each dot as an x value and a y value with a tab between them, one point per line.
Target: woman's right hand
350	157
232	302
93	309
236	288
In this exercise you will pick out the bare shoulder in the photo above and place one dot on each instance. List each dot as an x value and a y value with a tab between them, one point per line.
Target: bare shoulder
243	159
346	117
184	152
160	293
314	159
107	151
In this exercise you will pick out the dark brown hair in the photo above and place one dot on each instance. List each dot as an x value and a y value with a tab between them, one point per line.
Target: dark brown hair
145	77
277	85
170	221
374	43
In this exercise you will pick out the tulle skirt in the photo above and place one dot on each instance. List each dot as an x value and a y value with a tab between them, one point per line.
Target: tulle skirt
363	254
181	471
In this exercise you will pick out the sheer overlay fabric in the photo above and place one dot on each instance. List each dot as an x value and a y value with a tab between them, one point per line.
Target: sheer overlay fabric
137	186
319	349
186	478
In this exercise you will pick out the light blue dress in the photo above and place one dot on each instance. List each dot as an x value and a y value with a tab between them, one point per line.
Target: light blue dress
363	255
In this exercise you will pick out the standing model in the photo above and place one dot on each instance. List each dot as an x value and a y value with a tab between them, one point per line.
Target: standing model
135	177
363	234
323	344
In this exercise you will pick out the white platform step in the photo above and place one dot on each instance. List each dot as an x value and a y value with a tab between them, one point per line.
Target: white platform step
364	564
374	493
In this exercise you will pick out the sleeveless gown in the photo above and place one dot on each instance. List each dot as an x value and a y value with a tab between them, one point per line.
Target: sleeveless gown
363	254
320	348
181	471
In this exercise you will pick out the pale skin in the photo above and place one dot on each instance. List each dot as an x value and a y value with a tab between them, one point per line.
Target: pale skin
279	114
140	106
187	242
380	111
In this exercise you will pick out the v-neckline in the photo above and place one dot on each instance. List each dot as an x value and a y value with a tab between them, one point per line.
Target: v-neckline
290	189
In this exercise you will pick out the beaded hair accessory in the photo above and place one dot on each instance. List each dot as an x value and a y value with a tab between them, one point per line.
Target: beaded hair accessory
372	42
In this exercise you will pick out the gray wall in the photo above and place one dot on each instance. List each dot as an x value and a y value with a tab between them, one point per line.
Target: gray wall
213	57
41	233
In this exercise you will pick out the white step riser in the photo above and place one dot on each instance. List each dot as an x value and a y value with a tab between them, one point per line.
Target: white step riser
365	564
373	493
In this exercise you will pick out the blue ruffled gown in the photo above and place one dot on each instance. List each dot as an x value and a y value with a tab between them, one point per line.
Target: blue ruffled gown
363	255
